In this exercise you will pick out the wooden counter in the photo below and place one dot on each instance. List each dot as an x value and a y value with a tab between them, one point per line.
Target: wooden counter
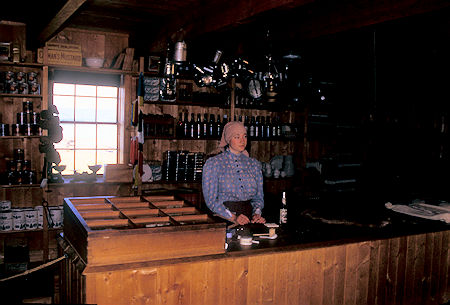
395	269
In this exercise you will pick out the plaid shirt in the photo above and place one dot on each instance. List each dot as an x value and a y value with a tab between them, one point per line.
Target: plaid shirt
230	177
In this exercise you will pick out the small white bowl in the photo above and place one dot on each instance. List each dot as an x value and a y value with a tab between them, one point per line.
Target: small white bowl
94	62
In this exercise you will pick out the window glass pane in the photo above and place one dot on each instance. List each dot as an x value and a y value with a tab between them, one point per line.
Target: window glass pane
104	91
85	109
67	159
107	110
106	157
65	106
68	137
83	158
85	90
85	136
107	136
64	89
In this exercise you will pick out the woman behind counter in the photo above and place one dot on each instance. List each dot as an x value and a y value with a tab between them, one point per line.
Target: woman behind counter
232	181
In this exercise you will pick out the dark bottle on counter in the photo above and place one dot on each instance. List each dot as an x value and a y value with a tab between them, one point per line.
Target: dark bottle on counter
193	128
218	127
168	83
283	210
205	126
198	126
212	127
180	127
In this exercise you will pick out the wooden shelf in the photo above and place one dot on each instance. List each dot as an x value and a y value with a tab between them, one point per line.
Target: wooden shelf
188	103
20	186
21	64
20	137
20	95
31	231
89	70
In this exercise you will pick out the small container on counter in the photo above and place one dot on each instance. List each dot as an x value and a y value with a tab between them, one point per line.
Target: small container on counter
34	118
27	130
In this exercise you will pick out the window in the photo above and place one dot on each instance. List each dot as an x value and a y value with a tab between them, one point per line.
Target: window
89	118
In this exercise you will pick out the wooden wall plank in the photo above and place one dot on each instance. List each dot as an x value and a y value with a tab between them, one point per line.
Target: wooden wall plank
329	275
401	268
316	276
350	274
295	277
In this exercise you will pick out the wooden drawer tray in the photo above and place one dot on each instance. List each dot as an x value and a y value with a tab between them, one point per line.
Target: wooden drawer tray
115	230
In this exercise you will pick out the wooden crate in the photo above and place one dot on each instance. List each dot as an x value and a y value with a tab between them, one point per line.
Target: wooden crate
116	230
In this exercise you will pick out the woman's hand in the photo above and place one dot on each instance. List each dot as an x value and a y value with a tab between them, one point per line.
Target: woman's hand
257	218
241	219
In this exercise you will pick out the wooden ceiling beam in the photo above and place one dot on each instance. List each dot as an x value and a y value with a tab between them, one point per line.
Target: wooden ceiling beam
217	15
67	11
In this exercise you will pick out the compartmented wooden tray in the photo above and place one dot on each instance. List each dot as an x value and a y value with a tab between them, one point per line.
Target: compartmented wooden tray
114	230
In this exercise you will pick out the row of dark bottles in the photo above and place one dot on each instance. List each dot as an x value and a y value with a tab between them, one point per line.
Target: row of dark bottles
197	128
210	127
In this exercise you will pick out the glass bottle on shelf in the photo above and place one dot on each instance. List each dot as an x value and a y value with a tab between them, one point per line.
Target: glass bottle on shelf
198	126
186	129
179	130
251	128
193	128
262	127
205	126
256	135
212	127
168	84
268	128
246	123
218	127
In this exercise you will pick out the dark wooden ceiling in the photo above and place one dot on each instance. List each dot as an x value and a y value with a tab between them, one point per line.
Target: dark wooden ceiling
151	23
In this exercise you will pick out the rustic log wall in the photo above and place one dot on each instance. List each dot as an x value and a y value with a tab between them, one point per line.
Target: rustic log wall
404	270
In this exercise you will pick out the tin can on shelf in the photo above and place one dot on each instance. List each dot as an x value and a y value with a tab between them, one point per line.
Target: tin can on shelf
22	88
11	87
9	76
32	76
6	220
27	106
31	219
34	118
18	219
40	216
15	129
27	130
22	118
5	205
4	130
19	154
21	77
34	88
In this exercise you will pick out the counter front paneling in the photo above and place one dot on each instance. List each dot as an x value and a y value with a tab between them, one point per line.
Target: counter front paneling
396	269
